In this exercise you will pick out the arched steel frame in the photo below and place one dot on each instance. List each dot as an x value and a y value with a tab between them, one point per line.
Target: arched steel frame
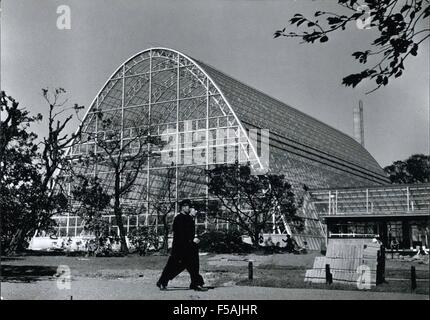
168	77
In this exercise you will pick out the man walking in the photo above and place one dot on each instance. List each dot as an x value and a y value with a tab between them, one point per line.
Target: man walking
185	252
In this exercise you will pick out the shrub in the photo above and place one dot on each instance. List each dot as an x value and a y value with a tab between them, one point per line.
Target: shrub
223	241
144	239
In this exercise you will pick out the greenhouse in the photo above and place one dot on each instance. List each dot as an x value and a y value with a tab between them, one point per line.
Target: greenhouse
207	118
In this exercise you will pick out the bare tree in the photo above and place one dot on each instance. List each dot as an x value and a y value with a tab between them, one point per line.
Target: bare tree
92	201
35	166
123	156
163	203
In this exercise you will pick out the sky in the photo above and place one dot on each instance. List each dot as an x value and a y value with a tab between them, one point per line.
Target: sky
234	36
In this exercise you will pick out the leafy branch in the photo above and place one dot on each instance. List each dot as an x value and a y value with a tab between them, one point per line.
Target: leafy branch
399	36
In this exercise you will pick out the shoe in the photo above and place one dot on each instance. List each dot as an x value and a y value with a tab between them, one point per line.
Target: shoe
198	288
162	287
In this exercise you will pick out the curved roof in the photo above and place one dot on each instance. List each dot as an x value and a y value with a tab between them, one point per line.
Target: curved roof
321	153
294	128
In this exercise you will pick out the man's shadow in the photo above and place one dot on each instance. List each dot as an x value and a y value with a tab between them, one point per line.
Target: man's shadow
187	288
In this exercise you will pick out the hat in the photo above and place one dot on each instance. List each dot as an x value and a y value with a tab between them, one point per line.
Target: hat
185	202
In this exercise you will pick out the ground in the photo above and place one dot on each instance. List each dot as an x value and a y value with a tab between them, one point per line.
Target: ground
278	276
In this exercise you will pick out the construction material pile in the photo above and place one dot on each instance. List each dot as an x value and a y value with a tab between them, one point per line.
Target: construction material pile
350	261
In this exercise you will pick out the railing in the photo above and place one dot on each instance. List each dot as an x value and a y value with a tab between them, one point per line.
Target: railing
391	200
352	235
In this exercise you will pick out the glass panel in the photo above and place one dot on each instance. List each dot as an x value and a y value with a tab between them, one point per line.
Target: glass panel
163	113
163	86
191	182
136	90
192	109
192	82
217	107
110	120
162	184
137	117
137	65
162	60
111	95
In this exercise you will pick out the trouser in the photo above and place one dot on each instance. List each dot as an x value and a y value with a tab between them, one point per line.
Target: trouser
179	262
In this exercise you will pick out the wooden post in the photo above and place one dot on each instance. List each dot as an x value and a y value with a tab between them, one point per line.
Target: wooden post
382	263
250	271
413	279
380	266
328	275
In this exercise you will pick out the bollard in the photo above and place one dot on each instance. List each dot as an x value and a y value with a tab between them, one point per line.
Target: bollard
413	279
328	275
380	266
383	264
250	271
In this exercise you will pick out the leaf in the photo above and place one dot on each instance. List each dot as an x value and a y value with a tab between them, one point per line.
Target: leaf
300	22
426	12
398	74
398	17
385	81
405	7
414	50
324	39
357	54
333	20
353	79
355	16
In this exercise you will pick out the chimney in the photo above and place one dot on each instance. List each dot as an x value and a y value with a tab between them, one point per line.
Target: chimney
358	123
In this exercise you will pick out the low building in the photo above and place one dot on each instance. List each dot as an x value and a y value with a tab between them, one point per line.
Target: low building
393	213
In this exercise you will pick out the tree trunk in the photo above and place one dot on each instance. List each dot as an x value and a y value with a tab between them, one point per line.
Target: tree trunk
15	244
124	248
255	237
166	235
118	216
